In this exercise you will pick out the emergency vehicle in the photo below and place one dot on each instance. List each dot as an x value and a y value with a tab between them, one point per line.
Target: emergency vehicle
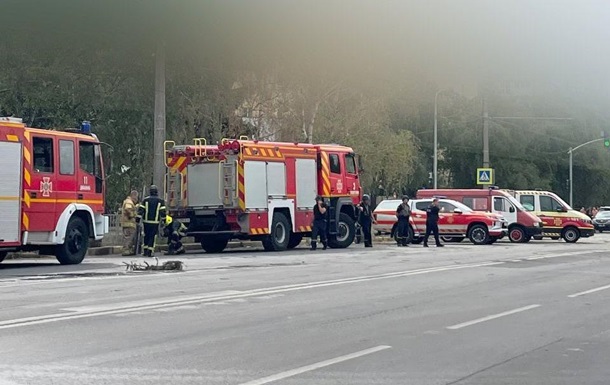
456	221
51	191
522	225
255	190
558	218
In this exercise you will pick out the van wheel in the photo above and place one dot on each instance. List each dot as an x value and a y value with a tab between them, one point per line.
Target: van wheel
516	235
74	248
213	245
279	235
295	240
478	234
570	234
3	255
346	232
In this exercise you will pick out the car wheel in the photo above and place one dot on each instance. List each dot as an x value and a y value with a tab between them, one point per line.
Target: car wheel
516	235
570	234
478	234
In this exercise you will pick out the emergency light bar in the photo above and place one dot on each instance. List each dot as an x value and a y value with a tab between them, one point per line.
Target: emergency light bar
85	127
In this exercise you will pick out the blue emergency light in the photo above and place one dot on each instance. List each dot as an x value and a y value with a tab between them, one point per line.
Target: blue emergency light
85	127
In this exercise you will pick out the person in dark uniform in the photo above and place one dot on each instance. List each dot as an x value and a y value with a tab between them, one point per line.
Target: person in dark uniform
403	212
174	230
151	212
432	223
366	220
319	224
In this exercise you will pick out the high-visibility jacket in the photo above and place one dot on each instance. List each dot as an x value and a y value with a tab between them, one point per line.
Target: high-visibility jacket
152	210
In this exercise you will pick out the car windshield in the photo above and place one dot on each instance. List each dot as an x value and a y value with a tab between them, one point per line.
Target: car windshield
603	214
458	205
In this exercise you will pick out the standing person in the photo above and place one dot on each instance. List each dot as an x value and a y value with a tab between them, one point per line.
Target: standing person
151	212
432	223
365	218
128	223
174	230
403	212
319	224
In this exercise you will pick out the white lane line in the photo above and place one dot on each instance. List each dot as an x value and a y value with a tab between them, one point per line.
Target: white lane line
492	317
317	365
589	291
112	309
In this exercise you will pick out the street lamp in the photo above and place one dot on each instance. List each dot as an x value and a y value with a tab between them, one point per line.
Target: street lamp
571	151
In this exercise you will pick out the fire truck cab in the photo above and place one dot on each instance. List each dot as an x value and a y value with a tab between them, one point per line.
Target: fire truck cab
265	191
51	191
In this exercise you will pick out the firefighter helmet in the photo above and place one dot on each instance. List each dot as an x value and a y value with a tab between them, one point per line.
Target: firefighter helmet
405	197
366	198
154	190
168	220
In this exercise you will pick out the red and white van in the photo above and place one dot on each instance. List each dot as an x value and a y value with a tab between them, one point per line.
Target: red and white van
522	225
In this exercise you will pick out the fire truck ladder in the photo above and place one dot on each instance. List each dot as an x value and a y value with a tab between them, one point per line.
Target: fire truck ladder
229	179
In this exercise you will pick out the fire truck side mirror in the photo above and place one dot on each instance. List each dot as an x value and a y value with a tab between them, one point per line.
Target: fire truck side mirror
359	163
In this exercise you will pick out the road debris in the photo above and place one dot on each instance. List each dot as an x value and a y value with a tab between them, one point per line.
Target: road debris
145	266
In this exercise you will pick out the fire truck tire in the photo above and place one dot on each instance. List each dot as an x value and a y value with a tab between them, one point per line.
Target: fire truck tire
347	233
74	248
279	234
570	234
213	245
3	255
295	240
478	234
516	234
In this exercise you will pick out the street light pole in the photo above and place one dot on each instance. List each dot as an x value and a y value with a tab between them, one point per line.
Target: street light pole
435	168
570	152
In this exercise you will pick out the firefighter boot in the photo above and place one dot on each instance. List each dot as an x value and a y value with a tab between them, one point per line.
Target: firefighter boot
170	251
324	245
314	245
180	250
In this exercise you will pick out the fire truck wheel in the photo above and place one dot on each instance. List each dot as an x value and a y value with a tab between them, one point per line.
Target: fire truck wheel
516	235
74	248
212	245
295	240
478	234
3	255
570	234
346	233
279	236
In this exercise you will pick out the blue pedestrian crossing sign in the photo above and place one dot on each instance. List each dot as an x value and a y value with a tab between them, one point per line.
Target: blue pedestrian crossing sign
485	175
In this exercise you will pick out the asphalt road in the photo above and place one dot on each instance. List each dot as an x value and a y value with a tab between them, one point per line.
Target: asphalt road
533	313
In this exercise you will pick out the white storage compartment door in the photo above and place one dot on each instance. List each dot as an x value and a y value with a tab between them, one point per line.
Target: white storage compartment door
255	187
307	182
10	191
276	180
203	185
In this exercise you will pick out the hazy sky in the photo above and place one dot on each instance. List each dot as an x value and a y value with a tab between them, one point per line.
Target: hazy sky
460	43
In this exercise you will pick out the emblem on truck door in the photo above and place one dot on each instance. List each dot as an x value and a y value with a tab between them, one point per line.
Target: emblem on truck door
46	186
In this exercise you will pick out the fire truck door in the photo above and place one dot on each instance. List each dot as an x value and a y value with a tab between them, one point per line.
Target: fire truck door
337	182
89	181
42	211
352	184
64	182
10	192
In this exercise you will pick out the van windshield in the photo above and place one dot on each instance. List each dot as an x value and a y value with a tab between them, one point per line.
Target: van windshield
516	203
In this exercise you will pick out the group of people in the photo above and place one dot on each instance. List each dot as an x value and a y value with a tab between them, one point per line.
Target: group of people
144	218
591	211
366	221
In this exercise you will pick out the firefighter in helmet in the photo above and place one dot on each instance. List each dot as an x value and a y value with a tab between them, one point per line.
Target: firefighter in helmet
174	230
319	223
151	212
403	212
128	223
366	220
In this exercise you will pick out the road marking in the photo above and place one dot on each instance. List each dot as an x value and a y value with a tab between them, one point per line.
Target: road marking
492	317
112	309
317	365
589	291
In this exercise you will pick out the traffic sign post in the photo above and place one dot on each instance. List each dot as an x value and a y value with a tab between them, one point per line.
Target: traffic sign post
485	176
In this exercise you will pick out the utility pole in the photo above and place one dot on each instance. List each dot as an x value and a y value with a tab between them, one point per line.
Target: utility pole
485	134
435	168
159	131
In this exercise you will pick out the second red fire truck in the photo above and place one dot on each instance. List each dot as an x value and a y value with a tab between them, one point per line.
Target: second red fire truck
265	191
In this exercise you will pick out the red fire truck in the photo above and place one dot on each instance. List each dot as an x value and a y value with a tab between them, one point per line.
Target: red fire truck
51	191
264	191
